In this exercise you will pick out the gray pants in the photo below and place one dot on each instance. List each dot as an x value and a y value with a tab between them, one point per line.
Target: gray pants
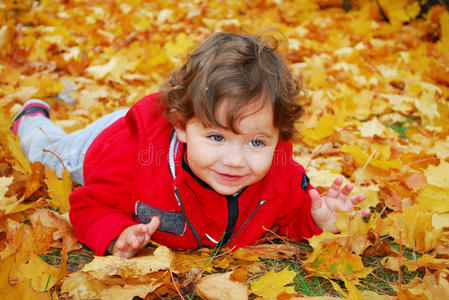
37	133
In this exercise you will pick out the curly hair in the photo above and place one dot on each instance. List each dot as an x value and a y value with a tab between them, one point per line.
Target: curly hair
238	68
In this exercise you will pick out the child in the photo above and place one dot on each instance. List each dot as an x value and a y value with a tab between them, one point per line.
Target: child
205	162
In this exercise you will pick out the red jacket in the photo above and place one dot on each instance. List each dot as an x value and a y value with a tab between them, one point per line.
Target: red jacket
129	162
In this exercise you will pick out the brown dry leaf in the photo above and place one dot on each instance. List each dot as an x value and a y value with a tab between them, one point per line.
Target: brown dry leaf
239	275
221	286
427	261
82	285
253	253
128	291
63	228
6	204
432	286
104	267
28	240
413	227
416	181
125	278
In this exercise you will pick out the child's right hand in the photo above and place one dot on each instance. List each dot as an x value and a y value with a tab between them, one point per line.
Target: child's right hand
134	238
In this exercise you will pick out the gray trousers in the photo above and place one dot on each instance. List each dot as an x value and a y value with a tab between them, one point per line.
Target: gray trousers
37	133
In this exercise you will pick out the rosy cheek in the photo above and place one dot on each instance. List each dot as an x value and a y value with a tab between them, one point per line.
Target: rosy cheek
262	164
202	156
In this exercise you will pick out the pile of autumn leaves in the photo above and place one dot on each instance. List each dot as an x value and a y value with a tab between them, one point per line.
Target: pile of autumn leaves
394	75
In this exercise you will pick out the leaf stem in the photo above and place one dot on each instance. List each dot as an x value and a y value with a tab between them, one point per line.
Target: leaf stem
174	283
400	260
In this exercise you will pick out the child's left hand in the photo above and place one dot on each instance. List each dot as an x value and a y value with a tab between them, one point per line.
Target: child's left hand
324	209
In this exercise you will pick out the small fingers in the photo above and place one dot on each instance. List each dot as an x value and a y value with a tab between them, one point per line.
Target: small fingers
345	191
141	230
153	225
365	212
334	190
120	245
357	199
133	241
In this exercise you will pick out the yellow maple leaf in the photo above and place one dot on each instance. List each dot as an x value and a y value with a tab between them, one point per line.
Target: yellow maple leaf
59	189
21	164
443	43
433	199
179	47
316	72
324	129
48	86
186	261
400	11
333	261
17	290
438	175
361	158
352	294
272	284
42	275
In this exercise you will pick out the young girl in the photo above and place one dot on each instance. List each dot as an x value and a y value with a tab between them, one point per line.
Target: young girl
205	162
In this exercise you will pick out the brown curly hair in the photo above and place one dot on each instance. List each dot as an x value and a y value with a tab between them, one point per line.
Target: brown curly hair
238	68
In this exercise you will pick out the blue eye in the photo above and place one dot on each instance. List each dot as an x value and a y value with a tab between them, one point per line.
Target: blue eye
216	137
257	143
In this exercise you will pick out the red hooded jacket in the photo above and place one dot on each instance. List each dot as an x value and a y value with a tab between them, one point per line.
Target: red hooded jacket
128	164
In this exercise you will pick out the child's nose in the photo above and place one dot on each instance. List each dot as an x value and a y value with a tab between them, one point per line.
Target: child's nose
234	157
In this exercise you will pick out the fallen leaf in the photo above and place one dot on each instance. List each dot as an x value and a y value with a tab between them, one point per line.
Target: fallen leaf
59	189
362	158
239	275
432	286
332	261
41	275
324	129
372	128
82	285
273	283
103	267
220	286
438	175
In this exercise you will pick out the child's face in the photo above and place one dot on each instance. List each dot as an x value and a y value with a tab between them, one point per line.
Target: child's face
228	161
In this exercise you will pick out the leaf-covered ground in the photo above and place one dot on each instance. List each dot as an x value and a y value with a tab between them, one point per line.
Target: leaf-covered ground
377	80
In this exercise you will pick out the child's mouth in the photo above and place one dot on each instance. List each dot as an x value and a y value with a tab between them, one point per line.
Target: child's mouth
229	176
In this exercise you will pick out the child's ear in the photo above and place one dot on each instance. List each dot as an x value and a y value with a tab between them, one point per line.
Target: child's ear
182	135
